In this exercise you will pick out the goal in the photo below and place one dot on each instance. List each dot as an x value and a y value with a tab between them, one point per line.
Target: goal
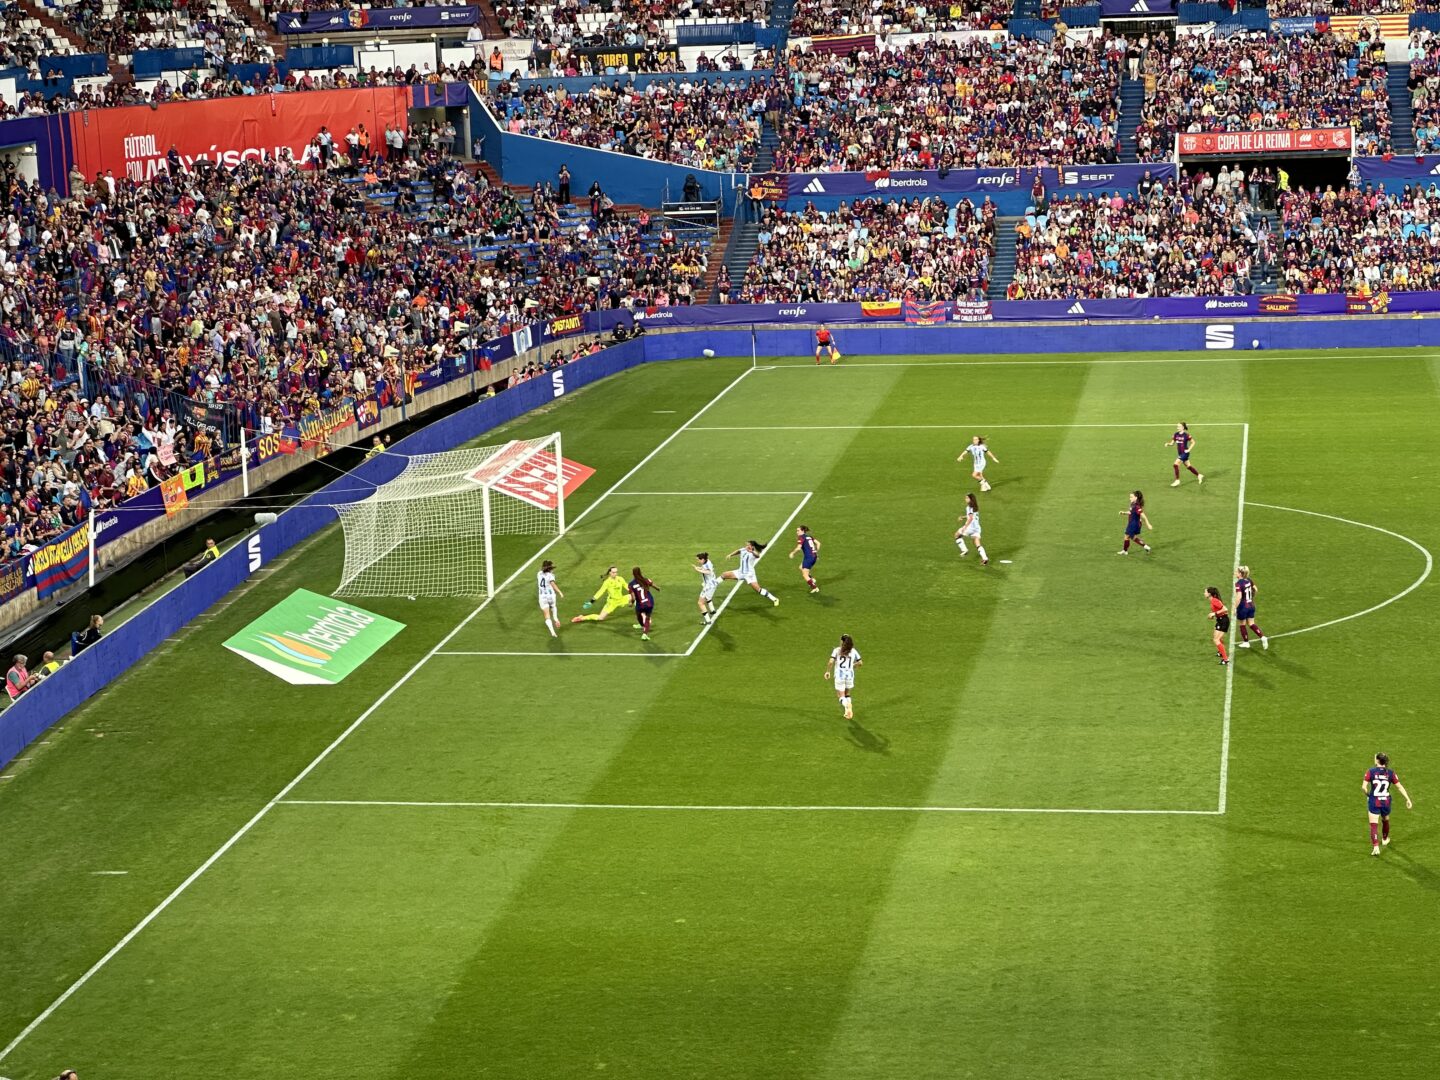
431	530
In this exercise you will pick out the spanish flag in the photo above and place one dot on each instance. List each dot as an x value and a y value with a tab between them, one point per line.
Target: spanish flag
881	309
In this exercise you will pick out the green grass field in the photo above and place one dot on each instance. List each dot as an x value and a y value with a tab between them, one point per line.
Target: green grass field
1059	840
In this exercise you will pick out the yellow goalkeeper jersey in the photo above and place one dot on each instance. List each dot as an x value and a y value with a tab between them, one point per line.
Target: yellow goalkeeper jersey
613	589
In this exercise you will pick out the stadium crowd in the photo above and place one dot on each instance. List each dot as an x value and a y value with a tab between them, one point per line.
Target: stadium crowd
873	250
822	17
1172	240
953	104
1245	81
1424	84
162	24
1360	240
614	22
701	125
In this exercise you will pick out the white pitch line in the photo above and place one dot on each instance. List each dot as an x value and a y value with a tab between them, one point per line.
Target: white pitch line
783	808
943	427
1424	551
1230	667
240	833
1236	356
622	494
638	655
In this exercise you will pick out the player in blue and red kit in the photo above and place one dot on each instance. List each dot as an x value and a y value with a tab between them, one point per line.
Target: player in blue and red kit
809	549
642	594
1379	779
1134	519
1184	443
1245	609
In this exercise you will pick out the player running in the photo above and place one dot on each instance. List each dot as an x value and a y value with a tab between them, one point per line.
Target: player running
825	342
810	549
1184	443
642	595
844	659
971	527
1135	517
1379	779
615	593
1222	622
749	556
708	584
978	452
1245	608
545	582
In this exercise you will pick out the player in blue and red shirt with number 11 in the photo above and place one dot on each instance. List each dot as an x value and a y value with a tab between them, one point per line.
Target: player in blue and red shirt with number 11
1379	779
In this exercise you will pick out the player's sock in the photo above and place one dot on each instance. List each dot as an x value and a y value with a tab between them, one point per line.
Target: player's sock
1374	835
1192	469
983	557
1258	632
767	594
1385	829
1221	649
1177	471
960	543
551	627
1127	543
1244	632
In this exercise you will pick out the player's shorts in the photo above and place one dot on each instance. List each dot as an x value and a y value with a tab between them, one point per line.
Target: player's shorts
707	592
844	682
970	530
645	609
979	466
1183	455
1245	611
612	606
807	562
1383	809
547	600
1222	623
748	579
1132	530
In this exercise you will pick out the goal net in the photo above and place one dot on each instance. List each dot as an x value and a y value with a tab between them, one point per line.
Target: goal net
430	531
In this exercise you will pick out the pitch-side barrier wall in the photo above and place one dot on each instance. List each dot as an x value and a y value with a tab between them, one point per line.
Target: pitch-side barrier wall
127	645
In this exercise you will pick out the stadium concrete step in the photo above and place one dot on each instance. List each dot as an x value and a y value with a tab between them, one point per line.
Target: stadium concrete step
1262	281
1002	269
718	251
769	141
740	249
1026	9
1132	100
1402	115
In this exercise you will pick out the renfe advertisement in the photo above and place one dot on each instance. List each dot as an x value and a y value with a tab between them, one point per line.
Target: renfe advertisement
135	142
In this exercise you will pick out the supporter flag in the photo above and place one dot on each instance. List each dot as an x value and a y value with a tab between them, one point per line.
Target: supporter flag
880	309
288	444
924	312
843	43
367	412
412	380
193	477
173	492
1394	26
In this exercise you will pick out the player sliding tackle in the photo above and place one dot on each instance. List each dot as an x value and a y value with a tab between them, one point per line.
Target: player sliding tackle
614	591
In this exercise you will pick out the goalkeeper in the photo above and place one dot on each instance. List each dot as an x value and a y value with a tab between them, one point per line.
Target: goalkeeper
614	591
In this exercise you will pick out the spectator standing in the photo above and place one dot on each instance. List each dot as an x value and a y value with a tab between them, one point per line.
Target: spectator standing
562	191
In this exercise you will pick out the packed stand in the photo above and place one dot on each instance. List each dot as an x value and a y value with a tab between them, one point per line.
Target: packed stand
22	45
1360	240
1424	84
1170	240
1280	9
700	125
829	17
1262	80
123	28
945	104
616	22
873	250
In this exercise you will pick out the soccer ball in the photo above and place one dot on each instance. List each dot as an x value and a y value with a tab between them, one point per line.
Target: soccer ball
709	352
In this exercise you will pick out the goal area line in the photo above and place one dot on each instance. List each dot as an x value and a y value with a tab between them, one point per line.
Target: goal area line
780	808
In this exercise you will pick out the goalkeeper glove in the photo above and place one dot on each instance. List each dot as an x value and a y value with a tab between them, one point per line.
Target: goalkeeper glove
586	605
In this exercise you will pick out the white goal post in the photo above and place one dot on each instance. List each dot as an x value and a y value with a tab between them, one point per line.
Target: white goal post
431	530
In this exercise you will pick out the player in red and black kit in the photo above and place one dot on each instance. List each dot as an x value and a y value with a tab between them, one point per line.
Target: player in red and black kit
825	342
642	593
1222	622
1379	779
1184	443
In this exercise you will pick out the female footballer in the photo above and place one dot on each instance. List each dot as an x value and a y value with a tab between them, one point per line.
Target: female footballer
642	595
1245	608
708	584
1184	443
749	556
844	659
615	592
978	452
1134	518
1222	622
809	549
1379	779
971	527
545	582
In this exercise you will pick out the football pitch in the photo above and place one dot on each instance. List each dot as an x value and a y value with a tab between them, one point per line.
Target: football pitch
1058	839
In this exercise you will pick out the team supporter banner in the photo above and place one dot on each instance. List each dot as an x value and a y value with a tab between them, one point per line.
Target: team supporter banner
965	181
1134	9
417	18
768	187
1305	141
63	561
14	579
311	640
367	412
1393	26
1399	168
843	43
971	311
602	57
1293	25
311	432
136	141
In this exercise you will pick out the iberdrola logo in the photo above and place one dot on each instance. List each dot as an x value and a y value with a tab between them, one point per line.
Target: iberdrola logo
311	640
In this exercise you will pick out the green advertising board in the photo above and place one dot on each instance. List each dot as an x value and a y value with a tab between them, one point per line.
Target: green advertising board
311	640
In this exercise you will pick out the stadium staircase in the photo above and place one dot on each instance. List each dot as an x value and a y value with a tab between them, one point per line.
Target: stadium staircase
1402	116
1260	281
1027	9
740	250
1002	269
781	12
769	141
1132	100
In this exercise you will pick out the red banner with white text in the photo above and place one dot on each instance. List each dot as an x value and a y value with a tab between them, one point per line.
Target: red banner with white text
135	142
1305	141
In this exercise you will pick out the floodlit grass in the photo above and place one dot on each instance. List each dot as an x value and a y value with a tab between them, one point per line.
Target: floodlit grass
680	861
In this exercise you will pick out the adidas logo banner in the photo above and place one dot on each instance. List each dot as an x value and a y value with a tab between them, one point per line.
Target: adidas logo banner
1110	9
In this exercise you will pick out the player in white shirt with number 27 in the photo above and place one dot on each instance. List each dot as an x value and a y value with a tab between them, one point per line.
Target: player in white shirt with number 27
549	591
844	659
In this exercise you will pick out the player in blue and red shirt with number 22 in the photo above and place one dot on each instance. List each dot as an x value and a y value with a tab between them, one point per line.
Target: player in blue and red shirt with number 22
1379	779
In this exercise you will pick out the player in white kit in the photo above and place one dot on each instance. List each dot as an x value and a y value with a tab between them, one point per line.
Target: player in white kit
978	452
709	582
844	659
549	592
749	556
971	528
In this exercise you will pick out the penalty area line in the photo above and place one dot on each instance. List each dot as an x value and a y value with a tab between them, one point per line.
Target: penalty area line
566	655
755	809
